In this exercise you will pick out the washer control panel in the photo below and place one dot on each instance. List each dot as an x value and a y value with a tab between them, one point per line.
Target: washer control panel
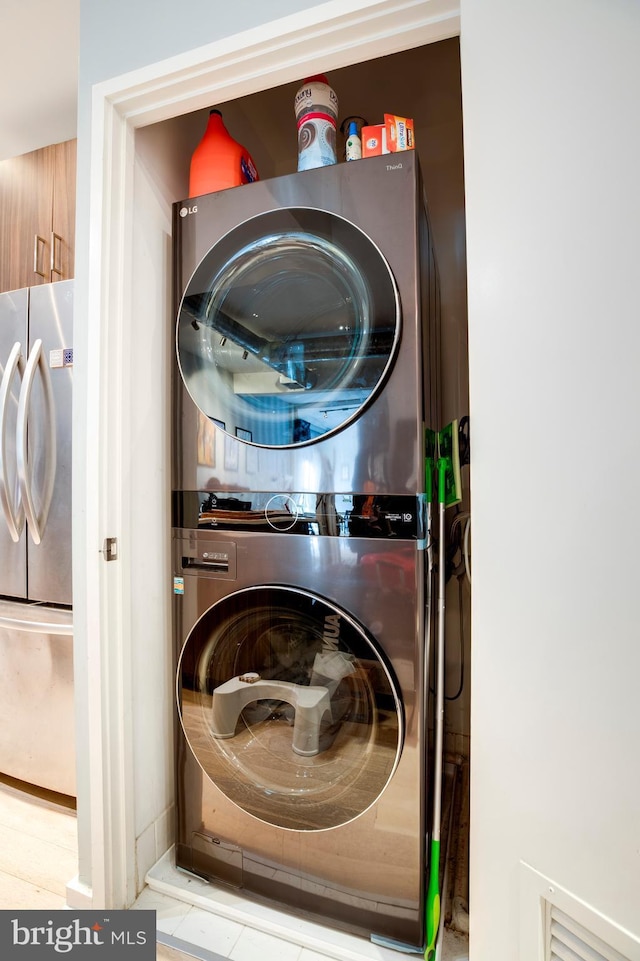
203	556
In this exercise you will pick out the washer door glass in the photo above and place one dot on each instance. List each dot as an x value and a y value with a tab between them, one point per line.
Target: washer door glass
287	328
289	708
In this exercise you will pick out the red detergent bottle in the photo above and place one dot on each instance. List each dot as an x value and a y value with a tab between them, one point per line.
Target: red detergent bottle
219	161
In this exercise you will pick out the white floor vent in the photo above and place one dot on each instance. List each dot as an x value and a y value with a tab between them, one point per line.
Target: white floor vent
570	941
557	925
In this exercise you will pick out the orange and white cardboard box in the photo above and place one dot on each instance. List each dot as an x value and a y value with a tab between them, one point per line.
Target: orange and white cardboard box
374	140
399	133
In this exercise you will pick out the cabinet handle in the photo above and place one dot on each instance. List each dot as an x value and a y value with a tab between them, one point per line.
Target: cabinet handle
56	248
38	268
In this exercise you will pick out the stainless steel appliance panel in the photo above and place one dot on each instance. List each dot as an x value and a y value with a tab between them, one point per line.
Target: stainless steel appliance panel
365	873
381	448
37	739
307	368
49	560
14	308
36	662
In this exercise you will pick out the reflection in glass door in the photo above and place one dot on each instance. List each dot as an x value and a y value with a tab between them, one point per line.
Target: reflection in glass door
289	708
288	327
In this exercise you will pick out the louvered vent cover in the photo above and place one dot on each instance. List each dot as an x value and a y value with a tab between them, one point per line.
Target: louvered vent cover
570	941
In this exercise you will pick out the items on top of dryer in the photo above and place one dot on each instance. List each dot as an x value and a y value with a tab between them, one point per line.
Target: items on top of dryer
399	133
353	145
394	135
347	128
219	161
374	140
316	108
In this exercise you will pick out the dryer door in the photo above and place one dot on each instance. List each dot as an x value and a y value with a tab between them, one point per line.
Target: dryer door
288	327
289	708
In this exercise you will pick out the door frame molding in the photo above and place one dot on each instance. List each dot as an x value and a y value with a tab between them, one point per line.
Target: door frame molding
322	38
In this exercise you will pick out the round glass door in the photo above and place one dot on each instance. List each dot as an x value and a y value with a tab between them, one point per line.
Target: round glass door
288	327
289	708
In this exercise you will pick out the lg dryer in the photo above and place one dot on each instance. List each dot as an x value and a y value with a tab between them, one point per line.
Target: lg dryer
305	353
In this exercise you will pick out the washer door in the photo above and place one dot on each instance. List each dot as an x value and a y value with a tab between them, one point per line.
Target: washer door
288	327
289	708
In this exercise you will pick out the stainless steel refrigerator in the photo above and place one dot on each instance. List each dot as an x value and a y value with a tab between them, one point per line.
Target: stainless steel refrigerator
36	623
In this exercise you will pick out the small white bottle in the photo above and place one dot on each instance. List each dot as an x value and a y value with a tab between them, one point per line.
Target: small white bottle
353	149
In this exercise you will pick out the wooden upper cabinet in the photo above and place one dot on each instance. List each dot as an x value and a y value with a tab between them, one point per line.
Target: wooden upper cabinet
37	216
64	210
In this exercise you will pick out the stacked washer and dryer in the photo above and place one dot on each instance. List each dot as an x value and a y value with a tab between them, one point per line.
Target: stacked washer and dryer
307	372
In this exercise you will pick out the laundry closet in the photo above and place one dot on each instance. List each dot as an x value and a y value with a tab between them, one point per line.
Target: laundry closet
422	84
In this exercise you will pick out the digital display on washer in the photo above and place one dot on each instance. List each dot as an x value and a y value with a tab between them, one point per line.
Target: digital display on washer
289	708
288	327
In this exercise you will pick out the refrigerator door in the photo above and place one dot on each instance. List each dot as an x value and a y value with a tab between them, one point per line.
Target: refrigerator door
37	733
45	466
14	307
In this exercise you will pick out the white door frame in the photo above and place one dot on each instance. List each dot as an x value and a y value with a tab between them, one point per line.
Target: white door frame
323	38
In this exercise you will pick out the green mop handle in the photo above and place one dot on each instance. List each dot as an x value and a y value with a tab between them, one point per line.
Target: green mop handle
433	890
433	901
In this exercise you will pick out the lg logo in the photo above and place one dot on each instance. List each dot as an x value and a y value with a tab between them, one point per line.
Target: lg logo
185	211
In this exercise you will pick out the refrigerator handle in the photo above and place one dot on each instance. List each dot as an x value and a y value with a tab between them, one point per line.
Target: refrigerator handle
13	514
36	627
35	524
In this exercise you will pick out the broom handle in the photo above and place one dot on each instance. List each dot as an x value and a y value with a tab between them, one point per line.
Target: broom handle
433	891
439	740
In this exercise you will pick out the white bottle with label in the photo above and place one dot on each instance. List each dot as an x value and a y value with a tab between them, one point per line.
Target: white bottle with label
353	146
316	107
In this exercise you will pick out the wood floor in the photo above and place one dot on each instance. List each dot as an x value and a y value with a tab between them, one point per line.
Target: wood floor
39	852
38	848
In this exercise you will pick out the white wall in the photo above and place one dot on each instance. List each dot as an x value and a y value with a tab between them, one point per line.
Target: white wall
550	99
121	36
38	74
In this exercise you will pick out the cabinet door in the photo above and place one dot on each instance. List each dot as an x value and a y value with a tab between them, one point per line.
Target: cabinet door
64	210
26	190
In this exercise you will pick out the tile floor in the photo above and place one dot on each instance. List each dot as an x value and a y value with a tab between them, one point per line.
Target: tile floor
38	856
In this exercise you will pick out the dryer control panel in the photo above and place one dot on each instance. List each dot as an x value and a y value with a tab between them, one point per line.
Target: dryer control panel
335	515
